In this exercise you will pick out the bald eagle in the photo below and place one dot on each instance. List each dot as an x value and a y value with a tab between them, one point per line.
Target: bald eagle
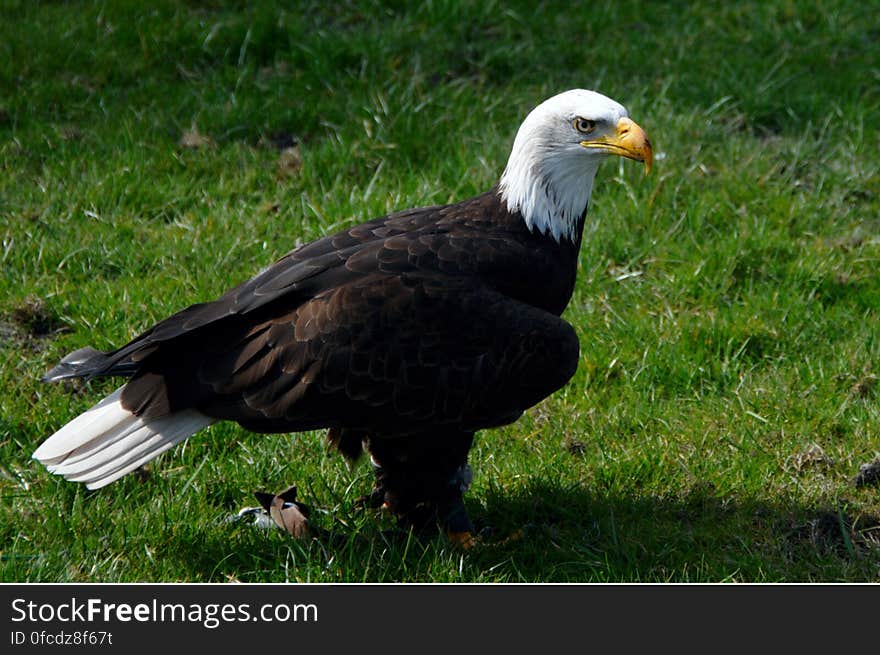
402	336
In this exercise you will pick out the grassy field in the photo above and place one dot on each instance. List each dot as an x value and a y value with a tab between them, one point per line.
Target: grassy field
727	304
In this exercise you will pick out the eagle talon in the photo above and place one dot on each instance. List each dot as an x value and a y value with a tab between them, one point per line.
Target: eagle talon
487	536
463	540
374	500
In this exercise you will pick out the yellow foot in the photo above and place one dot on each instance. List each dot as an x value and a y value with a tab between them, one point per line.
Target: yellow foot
462	540
467	540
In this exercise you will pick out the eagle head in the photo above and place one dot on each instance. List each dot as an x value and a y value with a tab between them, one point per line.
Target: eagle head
557	150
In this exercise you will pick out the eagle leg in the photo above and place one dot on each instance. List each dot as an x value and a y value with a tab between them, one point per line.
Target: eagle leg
422	481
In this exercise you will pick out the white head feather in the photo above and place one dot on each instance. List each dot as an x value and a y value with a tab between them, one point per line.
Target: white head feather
549	175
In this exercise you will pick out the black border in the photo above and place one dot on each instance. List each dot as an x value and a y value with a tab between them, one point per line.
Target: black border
414	618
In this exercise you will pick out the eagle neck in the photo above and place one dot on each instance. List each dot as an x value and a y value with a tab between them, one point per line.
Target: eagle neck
551	194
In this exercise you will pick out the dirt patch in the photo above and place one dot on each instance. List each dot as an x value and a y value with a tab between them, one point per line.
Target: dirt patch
193	139
840	531
826	530
33	318
868	475
280	140
811	458
864	387
574	446
289	162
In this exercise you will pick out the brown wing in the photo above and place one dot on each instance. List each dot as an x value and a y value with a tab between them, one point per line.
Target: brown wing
427	316
450	239
392	354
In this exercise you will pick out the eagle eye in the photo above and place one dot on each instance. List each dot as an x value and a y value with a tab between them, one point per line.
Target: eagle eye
584	125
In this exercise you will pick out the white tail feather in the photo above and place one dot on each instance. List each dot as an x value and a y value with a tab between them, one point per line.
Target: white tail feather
107	441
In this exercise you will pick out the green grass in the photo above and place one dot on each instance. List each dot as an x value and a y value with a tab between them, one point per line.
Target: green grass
727	304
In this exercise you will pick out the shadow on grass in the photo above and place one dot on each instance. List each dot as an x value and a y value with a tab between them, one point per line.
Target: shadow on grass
571	534
560	535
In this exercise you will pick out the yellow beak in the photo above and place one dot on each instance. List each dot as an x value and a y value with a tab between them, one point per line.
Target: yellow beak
630	141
